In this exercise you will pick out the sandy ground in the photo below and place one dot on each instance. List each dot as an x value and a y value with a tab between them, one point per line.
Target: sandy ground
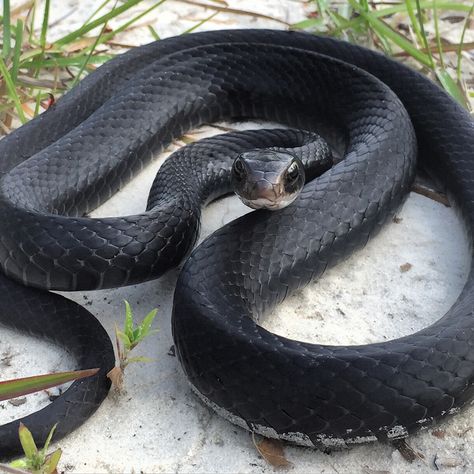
158	425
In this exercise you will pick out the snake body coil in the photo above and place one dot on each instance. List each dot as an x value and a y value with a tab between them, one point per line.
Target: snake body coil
103	131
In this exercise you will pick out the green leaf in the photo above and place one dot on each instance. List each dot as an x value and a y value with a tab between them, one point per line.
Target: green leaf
147	322
451	87
27	442
128	326
48	439
51	461
19	387
18	466
136	334
124	338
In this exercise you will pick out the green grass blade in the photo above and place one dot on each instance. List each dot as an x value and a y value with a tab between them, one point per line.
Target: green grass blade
31	23
88	57
6	30
19	387
315	23
450	86
17	50
199	23
44	25
382	29
413	20
28	55
153	33
356	22
461	42
424	38
97	10
98	22
67	62
437	36
12	91
108	36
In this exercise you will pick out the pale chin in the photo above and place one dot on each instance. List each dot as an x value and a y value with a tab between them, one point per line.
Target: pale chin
263	203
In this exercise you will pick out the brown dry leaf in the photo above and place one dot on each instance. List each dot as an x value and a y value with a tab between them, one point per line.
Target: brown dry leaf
80	44
116	377
28	110
439	434
272	451
405	267
431	194
407	452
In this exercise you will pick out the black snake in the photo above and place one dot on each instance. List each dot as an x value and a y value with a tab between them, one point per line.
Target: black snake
66	162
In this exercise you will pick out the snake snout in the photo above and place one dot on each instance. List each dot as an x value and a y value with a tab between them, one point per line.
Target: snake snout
266	194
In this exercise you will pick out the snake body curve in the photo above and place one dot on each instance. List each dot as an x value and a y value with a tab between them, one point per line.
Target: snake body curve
104	130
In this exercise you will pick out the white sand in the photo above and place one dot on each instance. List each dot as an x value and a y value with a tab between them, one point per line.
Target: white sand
158	425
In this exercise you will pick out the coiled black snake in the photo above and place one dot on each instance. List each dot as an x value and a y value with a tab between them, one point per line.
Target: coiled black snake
66	162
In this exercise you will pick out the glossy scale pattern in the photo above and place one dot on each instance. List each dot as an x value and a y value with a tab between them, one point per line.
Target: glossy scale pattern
104	130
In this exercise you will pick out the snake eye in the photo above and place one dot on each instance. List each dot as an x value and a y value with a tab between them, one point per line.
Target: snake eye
292	172
239	169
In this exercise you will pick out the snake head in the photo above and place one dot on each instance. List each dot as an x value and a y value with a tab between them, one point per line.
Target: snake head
267	179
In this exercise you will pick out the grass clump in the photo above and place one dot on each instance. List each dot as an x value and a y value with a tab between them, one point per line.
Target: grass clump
34	69
409	29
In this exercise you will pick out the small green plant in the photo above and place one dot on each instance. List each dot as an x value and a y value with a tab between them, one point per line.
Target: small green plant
36	461
133	334
127	339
